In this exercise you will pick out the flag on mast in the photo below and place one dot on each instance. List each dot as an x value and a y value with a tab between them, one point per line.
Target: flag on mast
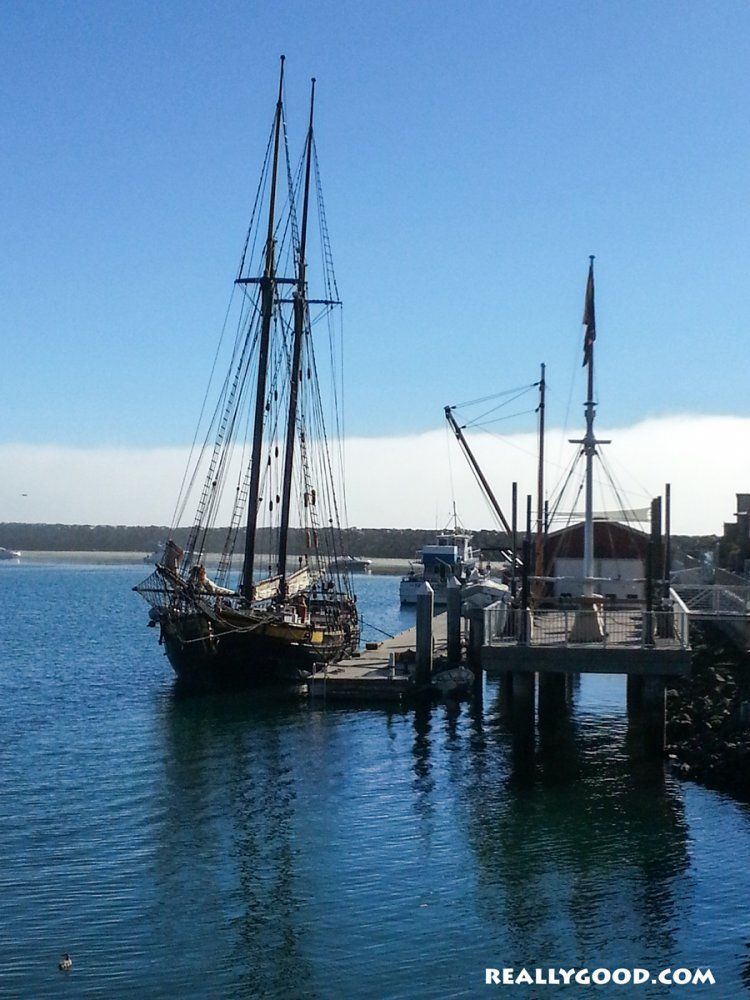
589	317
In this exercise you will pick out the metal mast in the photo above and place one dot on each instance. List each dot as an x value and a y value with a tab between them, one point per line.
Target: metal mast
267	288
589	440
538	544
300	318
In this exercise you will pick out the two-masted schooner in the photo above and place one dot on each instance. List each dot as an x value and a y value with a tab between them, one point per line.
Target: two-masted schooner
270	618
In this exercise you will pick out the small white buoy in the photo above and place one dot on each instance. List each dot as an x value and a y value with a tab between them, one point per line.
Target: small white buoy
66	963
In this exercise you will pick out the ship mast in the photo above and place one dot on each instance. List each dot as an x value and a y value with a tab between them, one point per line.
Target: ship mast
267	288
300	317
589	441
538	544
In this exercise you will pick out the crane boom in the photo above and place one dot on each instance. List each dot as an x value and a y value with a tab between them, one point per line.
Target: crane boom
476	469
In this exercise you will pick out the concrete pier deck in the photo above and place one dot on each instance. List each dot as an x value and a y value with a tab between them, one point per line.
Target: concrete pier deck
621	651
369	676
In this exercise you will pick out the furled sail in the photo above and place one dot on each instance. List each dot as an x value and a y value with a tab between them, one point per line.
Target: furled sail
264	590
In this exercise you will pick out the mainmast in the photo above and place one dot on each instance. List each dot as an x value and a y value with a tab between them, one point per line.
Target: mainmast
267	288
300	318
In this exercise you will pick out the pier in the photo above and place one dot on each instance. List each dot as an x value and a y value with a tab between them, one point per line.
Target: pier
633	641
539	651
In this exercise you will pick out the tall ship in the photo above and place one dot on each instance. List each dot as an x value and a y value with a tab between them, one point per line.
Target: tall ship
268	461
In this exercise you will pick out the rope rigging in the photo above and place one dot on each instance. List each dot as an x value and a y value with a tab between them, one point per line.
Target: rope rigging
223	458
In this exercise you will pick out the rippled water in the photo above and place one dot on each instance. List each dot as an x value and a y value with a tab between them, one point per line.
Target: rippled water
246	847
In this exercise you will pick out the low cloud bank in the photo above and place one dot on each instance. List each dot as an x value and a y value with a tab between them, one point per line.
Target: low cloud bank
406	481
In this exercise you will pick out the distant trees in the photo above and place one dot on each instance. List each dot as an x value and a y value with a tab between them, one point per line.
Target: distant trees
394	543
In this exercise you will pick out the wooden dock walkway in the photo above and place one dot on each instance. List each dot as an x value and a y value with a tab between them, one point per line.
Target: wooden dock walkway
382	674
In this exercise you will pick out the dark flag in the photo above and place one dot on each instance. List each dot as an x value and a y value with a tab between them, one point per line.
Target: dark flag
589	318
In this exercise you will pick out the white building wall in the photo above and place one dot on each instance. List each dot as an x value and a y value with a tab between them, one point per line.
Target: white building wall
624	577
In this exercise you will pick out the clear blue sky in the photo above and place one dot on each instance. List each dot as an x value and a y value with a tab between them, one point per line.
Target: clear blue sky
473	155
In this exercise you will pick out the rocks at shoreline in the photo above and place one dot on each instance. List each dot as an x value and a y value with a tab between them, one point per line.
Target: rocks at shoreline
708	730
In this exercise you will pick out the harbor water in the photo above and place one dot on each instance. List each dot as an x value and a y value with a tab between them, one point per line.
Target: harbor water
252	846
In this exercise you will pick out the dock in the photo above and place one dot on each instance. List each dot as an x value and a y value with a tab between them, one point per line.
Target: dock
382	674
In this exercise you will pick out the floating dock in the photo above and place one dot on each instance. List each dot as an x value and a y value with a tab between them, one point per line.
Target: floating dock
382	674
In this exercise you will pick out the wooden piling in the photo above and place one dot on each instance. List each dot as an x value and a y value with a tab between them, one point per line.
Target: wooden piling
453	599
425	606
476	637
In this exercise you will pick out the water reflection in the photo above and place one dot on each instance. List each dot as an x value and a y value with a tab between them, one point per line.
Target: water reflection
229	827
580	845
574	852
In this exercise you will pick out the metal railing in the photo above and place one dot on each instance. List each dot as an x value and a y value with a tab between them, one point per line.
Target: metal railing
681	618
635	628
715	599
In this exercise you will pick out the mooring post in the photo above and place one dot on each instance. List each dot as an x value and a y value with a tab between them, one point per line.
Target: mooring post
648	618
453	598
514	538
654	714
476	636
425	605
667	570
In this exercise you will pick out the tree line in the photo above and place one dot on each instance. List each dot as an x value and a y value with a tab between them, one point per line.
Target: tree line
385	543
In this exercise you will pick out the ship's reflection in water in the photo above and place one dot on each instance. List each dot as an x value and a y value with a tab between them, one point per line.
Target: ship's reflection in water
233	812
333	851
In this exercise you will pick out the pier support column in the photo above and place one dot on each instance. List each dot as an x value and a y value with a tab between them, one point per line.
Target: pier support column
553	698
453	598
524	697
572	681
654	714
635	693
425	606
505	695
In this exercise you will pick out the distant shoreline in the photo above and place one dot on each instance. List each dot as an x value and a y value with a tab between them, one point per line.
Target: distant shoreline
380	566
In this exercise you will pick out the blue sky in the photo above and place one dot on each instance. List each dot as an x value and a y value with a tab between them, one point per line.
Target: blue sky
473	155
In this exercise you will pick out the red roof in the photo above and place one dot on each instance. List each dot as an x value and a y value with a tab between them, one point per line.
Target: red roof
612	540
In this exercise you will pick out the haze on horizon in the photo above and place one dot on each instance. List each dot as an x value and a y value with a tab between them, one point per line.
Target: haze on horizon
409	481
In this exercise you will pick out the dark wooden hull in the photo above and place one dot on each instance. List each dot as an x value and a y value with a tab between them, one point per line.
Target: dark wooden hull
205	656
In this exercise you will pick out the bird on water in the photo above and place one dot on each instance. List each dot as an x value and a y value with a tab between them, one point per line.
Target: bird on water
66	963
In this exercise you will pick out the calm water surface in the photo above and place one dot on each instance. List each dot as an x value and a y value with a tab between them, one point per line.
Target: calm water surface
246	847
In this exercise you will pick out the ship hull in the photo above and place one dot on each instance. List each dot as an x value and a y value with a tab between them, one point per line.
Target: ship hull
409	590
203	655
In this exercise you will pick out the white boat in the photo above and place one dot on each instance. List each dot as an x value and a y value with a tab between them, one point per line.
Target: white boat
353	564
450	556
9	554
